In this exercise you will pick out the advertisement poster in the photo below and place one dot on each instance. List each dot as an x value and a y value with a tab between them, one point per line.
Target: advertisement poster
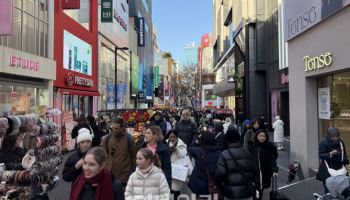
310	12
134	73
77	54
324	106
121	95
110	96
6	17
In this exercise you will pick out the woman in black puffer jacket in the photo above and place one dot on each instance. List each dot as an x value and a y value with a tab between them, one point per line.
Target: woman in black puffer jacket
234	162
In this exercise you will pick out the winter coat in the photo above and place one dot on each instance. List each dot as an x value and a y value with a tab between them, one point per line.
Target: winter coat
147	186
70	173
220	141
235	186
249	137
179	153
161	123
96	140
198	182
89	192
187	131
226	125
164	156
278	133
265	155
12	160
334	162
121	156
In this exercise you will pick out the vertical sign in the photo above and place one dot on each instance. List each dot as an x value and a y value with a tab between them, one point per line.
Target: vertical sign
121	95
274	104
141	32
70	4
134	74
6	17
156	76
324	106
107	11
110	96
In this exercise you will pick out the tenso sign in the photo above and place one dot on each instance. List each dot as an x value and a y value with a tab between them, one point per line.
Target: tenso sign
318	62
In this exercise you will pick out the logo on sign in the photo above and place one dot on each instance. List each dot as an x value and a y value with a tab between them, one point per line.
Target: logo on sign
77	80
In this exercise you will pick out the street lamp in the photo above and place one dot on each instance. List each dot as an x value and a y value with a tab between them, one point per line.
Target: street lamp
116	73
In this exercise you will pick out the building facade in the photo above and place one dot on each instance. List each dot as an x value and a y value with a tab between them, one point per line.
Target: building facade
76	54
27	67
319	76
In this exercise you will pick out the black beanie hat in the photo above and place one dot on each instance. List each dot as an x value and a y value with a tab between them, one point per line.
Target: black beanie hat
332	131
10	129
232	134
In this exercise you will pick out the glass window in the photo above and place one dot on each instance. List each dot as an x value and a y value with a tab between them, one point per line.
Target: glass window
15	40
18	3
145	5
43	10
46	49
42	38
106	74
28	33
82	15
28	6
37	37
75	106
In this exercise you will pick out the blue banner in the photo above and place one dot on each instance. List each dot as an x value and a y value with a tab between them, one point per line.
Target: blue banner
110	96
121	95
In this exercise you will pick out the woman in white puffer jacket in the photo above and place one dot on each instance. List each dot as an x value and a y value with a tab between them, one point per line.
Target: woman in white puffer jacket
278	134
178	150
148	181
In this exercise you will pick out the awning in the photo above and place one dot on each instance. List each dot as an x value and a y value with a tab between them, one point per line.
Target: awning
78	92
224	89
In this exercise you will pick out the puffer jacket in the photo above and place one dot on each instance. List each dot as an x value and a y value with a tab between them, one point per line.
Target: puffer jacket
235	186
187	130
152	185
70	173
179	153
198	182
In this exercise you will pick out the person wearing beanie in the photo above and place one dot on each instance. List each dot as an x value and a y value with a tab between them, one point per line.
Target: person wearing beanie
331	151
74	163
236	169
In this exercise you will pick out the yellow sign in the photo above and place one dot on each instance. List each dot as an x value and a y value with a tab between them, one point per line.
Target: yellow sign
317	62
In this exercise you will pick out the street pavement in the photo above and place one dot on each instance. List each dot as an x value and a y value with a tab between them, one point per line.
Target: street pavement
296	190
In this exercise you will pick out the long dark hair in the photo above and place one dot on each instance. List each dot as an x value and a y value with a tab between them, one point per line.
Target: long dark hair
149	155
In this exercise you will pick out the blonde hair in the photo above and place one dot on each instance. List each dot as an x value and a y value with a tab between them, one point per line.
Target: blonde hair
157	132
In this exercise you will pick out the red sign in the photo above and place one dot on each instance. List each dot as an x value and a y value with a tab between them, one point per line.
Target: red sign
284	79
77	80
24	63
6	17
70	4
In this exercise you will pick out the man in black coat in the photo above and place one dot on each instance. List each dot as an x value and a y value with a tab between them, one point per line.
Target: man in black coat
74	163
236	169
158	120
188	130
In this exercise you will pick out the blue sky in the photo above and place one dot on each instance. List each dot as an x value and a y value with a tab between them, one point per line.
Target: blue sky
179	22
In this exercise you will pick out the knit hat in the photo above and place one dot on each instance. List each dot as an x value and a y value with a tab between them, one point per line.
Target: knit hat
84	134
332	131
232	134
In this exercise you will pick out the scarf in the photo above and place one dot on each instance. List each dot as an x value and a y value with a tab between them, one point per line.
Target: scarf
153	147
104	188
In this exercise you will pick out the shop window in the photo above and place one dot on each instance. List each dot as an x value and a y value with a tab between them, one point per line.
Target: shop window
15	40
28	33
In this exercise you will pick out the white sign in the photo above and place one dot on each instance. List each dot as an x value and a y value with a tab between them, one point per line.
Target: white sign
179	172
324	108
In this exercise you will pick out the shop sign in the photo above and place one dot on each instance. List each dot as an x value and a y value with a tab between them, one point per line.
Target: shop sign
24	63
77	80
107	11
284	78
6	17
71	4
141	32
318	62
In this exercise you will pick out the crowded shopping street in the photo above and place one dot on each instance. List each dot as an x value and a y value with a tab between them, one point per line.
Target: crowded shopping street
174	100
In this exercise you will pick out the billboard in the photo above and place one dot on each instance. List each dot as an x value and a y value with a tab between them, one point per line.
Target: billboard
77	54
121	95
134	73
6	17
110	96
156	76
300	15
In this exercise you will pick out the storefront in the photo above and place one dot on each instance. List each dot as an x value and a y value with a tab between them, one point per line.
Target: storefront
319	79
25	82
76	52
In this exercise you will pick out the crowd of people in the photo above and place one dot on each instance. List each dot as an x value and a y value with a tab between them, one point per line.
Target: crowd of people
218	157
